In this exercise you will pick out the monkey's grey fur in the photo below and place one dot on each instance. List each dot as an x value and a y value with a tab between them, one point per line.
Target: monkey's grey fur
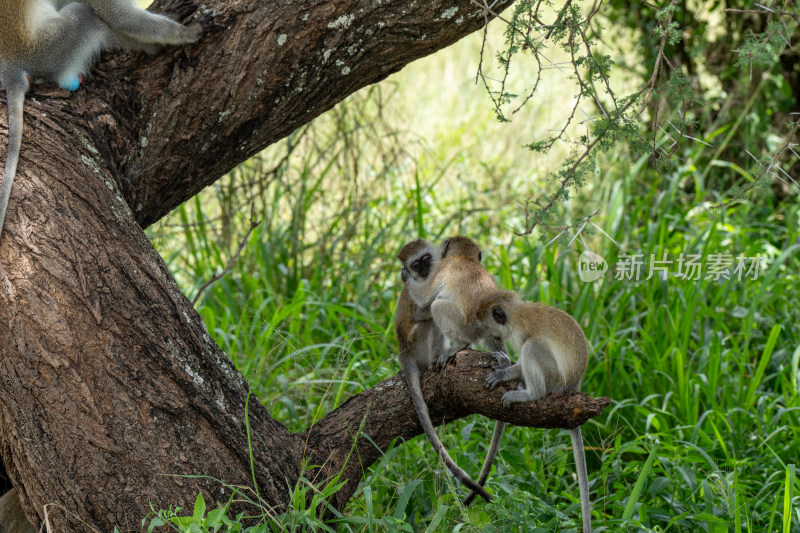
456	285
420	342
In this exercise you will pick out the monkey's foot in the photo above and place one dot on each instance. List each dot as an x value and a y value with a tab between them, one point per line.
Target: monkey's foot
515	396
208	22
182	9
494	379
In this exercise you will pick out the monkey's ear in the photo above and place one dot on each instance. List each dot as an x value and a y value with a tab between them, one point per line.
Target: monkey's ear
445	246
499	315
479	256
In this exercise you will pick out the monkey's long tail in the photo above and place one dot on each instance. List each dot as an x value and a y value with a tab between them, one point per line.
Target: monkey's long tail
583	477
16	102
412	377
494	445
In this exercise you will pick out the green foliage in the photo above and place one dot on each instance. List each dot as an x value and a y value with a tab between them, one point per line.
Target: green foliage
703	373
694	79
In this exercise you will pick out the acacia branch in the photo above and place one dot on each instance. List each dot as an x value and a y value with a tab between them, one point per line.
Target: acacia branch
385	412
200	110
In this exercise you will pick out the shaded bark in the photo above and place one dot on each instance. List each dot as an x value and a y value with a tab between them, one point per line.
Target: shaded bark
110	384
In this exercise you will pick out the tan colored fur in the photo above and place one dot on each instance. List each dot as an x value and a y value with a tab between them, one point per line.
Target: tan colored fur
456	287
555	328
457	284
14	36
57	41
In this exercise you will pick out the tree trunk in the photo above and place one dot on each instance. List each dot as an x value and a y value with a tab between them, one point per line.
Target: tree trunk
110	384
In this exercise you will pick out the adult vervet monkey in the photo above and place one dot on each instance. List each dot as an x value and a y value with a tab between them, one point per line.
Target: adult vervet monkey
456	286
458	282
420	342
553	354
57	41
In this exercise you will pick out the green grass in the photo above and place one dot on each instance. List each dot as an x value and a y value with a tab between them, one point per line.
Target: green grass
703	433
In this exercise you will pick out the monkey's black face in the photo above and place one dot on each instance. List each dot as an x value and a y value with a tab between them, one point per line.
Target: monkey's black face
422	265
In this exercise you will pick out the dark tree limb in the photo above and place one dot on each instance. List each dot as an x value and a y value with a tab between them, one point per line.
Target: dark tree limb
386	413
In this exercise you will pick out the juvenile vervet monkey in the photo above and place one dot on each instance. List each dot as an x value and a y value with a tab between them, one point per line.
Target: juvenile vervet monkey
457	284
57	41
553	354
12	519
420	342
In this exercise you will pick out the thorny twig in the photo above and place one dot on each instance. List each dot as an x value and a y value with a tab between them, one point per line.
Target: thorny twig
216	277
768	168
576	37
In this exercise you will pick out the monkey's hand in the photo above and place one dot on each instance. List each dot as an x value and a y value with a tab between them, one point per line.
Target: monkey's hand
445	356
503	360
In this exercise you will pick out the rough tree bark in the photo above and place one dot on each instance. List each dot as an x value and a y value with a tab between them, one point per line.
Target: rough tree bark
109	381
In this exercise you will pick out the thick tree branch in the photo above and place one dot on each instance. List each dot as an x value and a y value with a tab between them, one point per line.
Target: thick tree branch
386	413
277	65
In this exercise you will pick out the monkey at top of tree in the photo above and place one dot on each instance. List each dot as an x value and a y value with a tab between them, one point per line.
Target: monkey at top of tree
41	40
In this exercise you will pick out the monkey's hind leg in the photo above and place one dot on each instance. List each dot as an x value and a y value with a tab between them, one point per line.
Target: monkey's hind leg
72	41
538	368
125	17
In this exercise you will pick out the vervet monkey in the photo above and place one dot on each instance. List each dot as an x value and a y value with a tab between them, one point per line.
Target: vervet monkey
553	354
57	41
420	342
12	519
456	285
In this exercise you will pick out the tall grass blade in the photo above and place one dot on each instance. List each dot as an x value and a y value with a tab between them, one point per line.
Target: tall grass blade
637	488
788	492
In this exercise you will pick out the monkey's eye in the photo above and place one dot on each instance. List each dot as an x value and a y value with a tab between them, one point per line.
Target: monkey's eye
415	264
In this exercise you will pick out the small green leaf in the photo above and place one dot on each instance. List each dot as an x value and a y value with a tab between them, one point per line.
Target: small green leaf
199	508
